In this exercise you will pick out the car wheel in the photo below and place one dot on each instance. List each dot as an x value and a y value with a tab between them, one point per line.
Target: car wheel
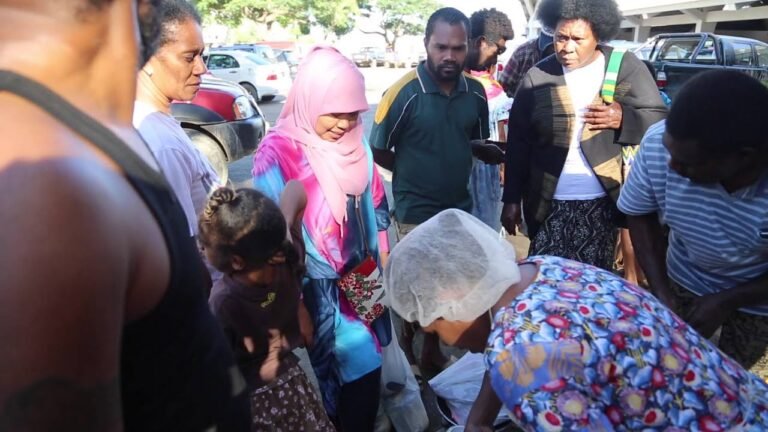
268	98
211	150
252	90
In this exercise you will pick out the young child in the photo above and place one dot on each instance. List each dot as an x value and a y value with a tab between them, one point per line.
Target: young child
259	248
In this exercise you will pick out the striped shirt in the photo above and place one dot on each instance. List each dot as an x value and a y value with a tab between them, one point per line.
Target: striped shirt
717	240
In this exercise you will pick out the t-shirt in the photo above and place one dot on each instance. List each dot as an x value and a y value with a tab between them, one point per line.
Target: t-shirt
717	240
252	311
187	170
430	133
581	349
577	180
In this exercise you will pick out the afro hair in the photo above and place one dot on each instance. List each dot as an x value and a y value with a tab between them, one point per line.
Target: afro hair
603	15
492	24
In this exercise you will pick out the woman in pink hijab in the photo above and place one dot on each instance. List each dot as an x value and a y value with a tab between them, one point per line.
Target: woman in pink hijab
318	140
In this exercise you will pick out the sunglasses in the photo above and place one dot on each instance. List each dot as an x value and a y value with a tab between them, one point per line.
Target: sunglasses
499	49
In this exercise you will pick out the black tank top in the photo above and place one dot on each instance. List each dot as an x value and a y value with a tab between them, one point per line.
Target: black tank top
177	370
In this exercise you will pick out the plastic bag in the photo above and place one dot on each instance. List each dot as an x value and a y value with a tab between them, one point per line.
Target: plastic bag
406	409
400	393
460	384
394	366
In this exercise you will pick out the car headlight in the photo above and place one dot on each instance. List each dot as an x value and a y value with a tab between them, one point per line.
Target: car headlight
243	108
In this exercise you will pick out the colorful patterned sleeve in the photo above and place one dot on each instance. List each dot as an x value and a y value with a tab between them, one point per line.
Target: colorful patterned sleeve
267	176
380	201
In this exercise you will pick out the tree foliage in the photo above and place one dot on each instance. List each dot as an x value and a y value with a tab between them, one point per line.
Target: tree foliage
337	16
399	18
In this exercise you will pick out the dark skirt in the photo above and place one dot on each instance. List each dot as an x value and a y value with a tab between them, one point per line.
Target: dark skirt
289	403
583	231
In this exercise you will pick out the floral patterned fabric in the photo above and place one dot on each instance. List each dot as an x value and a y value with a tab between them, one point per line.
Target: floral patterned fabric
584	350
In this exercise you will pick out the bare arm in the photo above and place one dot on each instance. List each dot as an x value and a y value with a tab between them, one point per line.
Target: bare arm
651	250
293	201
65	271
485	409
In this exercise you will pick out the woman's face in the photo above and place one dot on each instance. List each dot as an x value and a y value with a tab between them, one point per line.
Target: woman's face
575	43
470	335
331	127
177	66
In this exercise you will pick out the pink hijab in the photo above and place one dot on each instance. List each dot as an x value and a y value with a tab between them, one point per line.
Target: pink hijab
328	83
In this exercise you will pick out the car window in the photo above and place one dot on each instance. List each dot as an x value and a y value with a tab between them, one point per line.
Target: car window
258	59
707	54
678	49
221	61
742	54
762	55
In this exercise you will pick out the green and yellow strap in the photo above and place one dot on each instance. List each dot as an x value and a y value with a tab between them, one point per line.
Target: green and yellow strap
612	75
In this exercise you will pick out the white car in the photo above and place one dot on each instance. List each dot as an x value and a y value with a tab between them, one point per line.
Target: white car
262	79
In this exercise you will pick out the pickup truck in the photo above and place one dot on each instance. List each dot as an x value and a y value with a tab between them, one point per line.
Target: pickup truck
678	56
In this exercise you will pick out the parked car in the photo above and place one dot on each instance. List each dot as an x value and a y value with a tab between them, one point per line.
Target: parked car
266	52
287	57
223	121
263	80
369	57
404	59
676	57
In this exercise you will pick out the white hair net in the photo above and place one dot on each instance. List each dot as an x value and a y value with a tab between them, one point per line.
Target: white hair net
452	266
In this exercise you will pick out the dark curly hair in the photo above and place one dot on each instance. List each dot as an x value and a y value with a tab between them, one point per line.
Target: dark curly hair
603	15
448	15
722	111
491	23
244	223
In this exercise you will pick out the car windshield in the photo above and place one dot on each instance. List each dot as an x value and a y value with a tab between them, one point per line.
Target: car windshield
258	59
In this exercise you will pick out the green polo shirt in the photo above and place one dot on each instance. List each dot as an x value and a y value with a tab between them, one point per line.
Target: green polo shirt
430	134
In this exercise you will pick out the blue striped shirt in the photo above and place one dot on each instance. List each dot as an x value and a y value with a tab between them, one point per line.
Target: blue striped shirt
717	240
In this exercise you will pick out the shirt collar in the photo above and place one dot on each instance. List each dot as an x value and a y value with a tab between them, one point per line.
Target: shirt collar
428	85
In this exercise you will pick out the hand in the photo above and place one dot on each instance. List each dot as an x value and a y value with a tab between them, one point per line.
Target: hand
511	218
305	325
707	314
487	152
600	116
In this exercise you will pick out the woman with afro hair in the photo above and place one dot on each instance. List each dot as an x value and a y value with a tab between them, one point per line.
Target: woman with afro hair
568	124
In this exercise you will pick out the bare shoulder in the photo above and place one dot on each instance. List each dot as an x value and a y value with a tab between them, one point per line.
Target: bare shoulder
70	260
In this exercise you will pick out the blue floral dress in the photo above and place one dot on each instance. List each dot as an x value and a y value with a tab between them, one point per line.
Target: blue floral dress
584	350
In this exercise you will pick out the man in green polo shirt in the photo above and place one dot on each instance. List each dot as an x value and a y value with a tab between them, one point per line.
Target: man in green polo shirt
427	128
428	125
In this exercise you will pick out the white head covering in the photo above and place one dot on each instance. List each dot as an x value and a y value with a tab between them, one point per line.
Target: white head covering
453	267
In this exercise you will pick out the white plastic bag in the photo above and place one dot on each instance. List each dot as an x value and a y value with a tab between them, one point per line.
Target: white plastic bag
406	409
460	384
394	366
400	393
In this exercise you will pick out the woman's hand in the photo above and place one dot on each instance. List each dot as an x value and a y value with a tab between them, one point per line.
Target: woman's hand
511	218
601	116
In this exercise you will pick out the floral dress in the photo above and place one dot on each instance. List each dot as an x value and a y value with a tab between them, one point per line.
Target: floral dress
584	350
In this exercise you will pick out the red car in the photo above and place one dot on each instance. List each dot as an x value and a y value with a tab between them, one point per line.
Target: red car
223	121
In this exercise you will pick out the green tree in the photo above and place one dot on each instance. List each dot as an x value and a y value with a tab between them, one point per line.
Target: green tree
399	18
337	16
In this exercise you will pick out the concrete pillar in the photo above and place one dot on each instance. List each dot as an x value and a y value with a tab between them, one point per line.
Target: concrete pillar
702	26
642	33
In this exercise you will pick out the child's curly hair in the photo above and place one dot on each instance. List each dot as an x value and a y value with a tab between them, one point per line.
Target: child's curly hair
244	223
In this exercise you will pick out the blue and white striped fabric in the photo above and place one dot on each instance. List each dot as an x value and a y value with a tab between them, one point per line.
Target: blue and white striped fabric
717	240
